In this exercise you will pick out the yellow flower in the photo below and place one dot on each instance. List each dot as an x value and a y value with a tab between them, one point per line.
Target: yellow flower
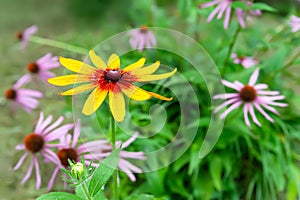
109	80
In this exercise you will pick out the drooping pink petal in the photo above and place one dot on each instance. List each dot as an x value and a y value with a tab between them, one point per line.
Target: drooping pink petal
52	179
20	162
246	110
22	81
59	132
37	172
231	108
231	85
226	96
258	107
39	123
29	172
251	109
54	125
226	103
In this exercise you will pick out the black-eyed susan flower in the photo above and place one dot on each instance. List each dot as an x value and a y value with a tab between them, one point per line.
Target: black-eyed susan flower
109	79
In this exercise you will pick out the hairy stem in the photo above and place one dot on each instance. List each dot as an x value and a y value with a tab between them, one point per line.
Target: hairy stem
58	44
86	192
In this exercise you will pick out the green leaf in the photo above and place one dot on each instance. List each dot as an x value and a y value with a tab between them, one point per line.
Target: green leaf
104	172
99	196
142	197
239	4
215	169
262	6
59	196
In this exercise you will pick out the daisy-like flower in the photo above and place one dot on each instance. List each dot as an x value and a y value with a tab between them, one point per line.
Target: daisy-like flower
250	96
40	142
42	65
294	23
224	7
123	164
109	80
26	98
25	35
142	38
68	149
245	61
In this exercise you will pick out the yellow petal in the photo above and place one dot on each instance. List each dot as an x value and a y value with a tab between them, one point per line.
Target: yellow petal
135	65
97	60
134	92
113	62
94	101
117	105
79	89
147	70
68	80
145	78
160	97
76	66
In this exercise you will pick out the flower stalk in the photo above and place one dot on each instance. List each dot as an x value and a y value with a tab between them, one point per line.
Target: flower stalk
85	191
115	175
58	44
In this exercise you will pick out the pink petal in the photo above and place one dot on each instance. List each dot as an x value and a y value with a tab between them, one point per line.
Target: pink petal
261	86
227	17
22	81
54	125
59	132
258	107
76	133
231	85
44	58
45	124
20	162
37	172
134	155
233	100
226	96
231	108
253	115
20	147
28	174
52	179
130	140
39	123
30	93
213	13
254	77
246	118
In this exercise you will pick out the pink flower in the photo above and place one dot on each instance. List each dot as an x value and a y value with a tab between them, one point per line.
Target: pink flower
24	36
224	6
40	142
24	97
246	62
250	95
123	164
68	150
294	23
142	38
42	65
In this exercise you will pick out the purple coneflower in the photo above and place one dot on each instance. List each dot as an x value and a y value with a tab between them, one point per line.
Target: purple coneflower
246	62
294	22
24	97
42	65
68	149
142	38
124	164
24	36
224	6
250	95
40	141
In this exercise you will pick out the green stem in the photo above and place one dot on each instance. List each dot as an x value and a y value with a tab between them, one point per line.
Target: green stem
231	45
86	192
58	44
115	175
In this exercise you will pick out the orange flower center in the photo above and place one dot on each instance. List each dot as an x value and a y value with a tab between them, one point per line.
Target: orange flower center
11	94
33	68
19	35
67	154
112	76
248	93
143	29
34	142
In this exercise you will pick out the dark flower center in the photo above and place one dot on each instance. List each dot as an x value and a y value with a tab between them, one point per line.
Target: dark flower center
112	75
34	142
33	68
248	93
19	35
65	154
143	29
11	94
